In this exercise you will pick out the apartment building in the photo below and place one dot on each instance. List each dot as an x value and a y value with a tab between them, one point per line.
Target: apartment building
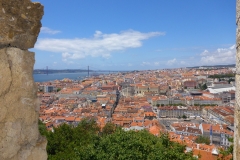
178	111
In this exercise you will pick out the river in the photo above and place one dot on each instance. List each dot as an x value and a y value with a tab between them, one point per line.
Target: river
60	76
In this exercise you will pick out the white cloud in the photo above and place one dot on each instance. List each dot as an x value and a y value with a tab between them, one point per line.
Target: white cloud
171	62
183	62
233	47
66	55
100	45
145	63
205	52
49	31
153	64
220	56
67	61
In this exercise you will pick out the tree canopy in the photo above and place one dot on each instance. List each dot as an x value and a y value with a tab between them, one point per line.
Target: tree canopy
227	153
202	139
88	141
227	75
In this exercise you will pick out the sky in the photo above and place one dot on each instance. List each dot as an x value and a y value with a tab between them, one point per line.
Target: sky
135	34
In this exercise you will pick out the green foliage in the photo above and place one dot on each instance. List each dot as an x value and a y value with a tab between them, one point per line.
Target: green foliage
204	86
184	116
86	142
227	152
178	104
42	128
66	138
139	145
59	89
202	139
228	75
202	105
230	139
109	128
230	80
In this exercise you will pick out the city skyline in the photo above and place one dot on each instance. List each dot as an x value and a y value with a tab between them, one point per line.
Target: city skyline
136	35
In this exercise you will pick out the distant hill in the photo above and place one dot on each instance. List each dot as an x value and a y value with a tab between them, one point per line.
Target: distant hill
215	66
51	71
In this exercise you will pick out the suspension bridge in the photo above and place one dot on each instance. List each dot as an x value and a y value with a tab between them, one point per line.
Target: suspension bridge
90	72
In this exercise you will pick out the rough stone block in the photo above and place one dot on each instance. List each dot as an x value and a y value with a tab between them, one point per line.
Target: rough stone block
20	23
19	135
237	96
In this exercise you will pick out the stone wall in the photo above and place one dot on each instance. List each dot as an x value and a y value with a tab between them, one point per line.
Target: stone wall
19	28
20	23
236	154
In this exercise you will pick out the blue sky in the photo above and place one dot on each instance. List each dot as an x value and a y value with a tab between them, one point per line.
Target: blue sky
135	34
